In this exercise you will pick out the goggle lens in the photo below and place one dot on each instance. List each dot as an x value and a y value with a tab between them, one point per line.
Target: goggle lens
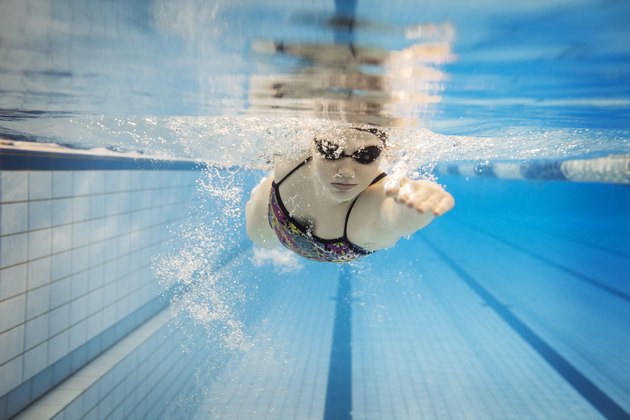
332	151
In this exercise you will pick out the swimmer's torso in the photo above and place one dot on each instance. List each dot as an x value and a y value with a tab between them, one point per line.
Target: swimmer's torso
300	237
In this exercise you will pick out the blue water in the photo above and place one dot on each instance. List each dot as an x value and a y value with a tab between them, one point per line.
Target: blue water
115	75
514	305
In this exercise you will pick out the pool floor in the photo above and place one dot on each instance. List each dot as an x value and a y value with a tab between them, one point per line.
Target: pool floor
498	317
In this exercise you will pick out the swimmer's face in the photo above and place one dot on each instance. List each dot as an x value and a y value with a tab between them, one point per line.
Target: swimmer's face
341	176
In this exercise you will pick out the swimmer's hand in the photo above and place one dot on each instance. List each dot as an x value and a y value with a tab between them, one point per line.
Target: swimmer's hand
421	195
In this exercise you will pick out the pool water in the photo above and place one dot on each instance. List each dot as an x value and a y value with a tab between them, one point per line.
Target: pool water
512	307
131	135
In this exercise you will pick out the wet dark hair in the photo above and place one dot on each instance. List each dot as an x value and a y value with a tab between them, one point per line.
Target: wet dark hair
375	131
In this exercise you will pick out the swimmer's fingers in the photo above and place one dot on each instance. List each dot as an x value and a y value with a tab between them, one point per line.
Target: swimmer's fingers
406	194
444	205
398	190
403	197
428	204
410	193
421	200
391	191
423	196
434	199
393	186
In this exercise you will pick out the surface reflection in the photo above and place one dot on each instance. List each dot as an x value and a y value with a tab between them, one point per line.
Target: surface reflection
350	82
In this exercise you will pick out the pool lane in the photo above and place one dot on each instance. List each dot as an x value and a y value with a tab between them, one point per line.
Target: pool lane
591	392
585	325
451	324
578	262
339	388
425	345
281	371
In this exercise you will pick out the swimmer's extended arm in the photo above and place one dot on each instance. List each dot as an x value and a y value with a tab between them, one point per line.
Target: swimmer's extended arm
257	224
415	199
394	210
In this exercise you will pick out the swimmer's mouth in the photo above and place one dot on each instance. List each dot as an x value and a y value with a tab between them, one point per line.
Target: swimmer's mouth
342	187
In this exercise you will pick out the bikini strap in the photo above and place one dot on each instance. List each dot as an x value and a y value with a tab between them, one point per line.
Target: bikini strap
345	226
294	169
378	178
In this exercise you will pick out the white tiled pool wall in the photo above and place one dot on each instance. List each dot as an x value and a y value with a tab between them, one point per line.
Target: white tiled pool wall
76	251
141	383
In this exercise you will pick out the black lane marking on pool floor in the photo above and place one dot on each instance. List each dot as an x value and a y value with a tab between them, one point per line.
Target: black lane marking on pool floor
569	238
584	278
339	389
598	399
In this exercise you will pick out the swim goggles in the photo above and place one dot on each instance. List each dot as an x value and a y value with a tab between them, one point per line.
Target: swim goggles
332	151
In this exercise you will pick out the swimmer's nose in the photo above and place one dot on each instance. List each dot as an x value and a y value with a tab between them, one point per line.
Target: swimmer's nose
345	168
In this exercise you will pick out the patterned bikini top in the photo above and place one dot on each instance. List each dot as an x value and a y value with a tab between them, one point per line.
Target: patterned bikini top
300	239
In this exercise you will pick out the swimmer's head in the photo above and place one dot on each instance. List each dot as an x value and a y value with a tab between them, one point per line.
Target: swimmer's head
346	161
382	135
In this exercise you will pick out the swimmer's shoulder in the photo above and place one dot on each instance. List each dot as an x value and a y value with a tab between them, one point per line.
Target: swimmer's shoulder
283	166
365	226
373	194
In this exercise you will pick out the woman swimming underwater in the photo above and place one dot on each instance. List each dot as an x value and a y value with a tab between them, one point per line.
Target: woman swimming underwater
333	205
